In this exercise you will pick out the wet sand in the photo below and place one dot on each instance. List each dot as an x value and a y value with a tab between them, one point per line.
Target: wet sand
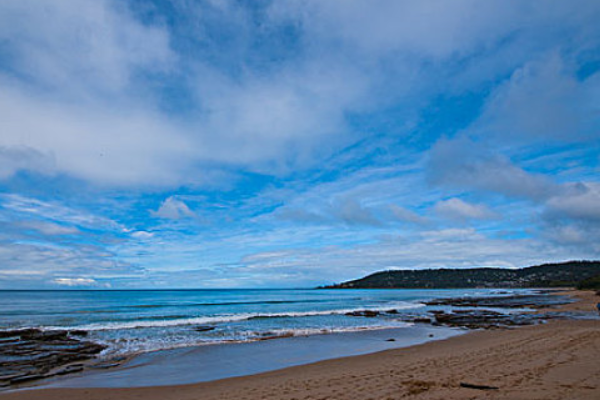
558	360
208	363
587	300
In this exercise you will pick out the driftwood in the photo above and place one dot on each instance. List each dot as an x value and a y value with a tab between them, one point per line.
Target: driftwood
479	387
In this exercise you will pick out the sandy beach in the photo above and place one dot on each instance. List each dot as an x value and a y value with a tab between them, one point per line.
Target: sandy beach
558	360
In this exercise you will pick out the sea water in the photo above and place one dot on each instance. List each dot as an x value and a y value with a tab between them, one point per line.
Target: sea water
131	322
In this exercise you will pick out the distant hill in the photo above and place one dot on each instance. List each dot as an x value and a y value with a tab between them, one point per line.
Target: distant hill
566	274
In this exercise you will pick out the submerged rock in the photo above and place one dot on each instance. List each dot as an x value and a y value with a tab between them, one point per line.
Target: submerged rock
78	332
271	336
423	320
69	369
44	336
104	365
516	301
485	319
204	328
363	313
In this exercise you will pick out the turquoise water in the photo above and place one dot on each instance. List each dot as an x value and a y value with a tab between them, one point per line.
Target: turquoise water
131	322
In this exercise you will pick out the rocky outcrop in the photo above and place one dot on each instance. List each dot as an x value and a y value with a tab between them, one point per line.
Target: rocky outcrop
516	301
485	319
31	354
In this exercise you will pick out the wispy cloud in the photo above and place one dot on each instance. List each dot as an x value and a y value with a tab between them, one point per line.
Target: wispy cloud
461	210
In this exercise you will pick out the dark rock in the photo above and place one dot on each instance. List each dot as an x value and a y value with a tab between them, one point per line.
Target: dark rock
69	369
25	378
364	313
104	365
517	301
78	332
18	332
422	320
8	378
391	340
9	340
204	328
392	312
484	319
45	335
31	354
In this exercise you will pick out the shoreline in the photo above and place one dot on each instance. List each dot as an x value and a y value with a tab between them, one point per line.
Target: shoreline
189	365
444	316
35	356
564	350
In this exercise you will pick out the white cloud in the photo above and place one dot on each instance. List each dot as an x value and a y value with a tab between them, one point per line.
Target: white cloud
97	144
31	208
39	262
301	215
573	216
49	228
82	65
406	26
406	215
370	196
461	210
465	164
75	67
75	281
175	209
350	211
577	201
543	100
16	158
80	46
142	235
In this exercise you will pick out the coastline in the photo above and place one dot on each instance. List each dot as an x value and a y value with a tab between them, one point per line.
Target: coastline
553	360
197	364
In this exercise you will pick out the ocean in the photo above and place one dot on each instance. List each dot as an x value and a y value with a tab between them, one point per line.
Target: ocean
133	322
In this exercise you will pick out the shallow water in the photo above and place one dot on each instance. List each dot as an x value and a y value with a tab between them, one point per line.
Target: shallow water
206	363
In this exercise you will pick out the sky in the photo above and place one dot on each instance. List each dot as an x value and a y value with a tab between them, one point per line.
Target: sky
259	144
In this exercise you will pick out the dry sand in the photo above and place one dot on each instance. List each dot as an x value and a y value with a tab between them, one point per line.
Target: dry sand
559	360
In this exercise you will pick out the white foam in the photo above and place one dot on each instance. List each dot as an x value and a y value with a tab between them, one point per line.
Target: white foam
217	319
123	347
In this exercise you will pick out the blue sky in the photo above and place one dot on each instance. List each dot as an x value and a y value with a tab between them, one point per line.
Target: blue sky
204	144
